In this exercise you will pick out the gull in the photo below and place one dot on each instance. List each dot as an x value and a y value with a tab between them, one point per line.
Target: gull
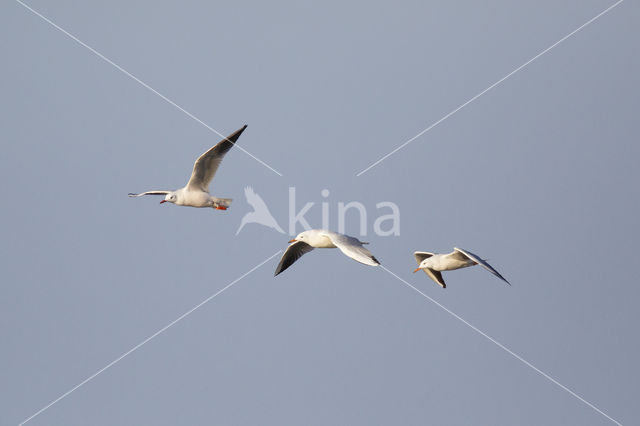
260	213
433	263
319	238
196	192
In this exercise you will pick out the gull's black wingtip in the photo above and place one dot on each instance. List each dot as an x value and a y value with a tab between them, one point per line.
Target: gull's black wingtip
233	137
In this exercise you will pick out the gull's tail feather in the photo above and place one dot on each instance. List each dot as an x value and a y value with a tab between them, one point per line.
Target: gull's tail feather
223	202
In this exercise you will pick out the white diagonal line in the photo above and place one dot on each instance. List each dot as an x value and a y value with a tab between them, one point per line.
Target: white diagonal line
142	83
136	347
503	347
491	87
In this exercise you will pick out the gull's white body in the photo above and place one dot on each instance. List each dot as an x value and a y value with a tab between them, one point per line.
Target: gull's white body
319	238
196	198
434	263
447	262
196	192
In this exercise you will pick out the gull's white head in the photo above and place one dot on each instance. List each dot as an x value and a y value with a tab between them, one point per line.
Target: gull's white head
424	264
300	237
170	197
306	236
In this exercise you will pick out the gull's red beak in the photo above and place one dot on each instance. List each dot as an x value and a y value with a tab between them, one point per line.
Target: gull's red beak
163	201
417	269
292	241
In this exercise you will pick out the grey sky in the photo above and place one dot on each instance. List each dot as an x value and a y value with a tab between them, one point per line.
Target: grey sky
539	176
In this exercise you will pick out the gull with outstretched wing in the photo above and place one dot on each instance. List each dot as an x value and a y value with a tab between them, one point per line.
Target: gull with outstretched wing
196	192
319	238
434	263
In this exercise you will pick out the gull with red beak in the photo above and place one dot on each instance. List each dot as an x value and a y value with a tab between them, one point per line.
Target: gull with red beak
433	263
196	192
319	238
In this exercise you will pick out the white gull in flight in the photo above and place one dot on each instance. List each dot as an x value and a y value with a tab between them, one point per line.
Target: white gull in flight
433	263
318	238
196	192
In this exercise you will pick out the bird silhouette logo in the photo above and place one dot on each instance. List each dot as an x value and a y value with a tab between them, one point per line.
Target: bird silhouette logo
260	214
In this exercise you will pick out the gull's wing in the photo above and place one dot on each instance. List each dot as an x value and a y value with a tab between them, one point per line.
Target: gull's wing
436	276
293	253
207	164
131	194
421	255
481	262
352	247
